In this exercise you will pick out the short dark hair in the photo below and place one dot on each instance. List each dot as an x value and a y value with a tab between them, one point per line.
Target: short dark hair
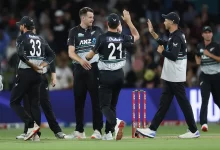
113	26
84	11
29	27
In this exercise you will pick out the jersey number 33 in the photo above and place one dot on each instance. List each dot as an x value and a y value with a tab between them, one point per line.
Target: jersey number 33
36	48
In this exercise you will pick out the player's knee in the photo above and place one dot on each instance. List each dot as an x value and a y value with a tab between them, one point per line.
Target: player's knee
104	108
12	103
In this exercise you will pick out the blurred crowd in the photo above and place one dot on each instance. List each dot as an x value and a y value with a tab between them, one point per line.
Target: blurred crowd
54	18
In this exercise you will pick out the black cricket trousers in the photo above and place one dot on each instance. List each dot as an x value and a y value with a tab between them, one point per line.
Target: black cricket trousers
171	89
46	106
209	84
110	84
27	82
86	80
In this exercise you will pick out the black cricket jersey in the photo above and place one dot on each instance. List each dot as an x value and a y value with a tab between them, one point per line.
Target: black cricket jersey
209	65
111	47
175	53
84	40
33	48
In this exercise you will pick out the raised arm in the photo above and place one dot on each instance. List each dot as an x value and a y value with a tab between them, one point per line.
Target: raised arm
127	18
154	34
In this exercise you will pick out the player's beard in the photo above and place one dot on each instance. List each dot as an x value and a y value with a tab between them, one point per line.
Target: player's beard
22	32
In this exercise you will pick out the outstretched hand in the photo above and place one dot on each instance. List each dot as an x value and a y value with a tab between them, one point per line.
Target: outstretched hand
150	26
126	16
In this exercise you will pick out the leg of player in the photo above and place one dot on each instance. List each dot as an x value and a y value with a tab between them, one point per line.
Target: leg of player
165	101
80	92
34	101
215	85
108	95
120	123
205	87
47	109
28	110
92	84
180	94
18	92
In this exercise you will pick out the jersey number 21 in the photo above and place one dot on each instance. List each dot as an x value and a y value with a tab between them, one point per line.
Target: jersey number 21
113	47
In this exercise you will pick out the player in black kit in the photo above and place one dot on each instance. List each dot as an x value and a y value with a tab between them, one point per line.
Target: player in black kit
81	39
111	49
34	54
45	104
208	57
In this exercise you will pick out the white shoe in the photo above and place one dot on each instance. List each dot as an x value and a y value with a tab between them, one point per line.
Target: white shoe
190	135
96	135
76	135
60	135
31	132
20	137
204	128
146	132
107	137
119	129
36	138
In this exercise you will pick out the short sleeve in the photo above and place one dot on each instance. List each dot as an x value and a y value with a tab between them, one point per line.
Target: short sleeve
128	41
71	38
129	38
217	50
198	49
18	41
97	45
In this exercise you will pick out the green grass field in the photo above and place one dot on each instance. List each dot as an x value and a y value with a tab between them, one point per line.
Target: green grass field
166	139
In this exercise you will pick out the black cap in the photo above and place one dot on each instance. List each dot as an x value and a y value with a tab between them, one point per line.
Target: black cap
173	17
207	28
113	19
26	21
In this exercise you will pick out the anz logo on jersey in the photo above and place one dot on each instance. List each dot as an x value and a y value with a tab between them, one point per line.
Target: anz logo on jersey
88	41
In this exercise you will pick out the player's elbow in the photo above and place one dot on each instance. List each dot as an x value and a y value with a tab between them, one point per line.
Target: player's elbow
218	59
22	57
69	53
136	37
52	58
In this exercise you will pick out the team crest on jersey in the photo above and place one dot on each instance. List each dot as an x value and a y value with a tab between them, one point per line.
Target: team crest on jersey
92	32
80	35
211	49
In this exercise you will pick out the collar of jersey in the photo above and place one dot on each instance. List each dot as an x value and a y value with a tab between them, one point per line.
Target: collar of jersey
28	32
89	28
210	44
174	32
